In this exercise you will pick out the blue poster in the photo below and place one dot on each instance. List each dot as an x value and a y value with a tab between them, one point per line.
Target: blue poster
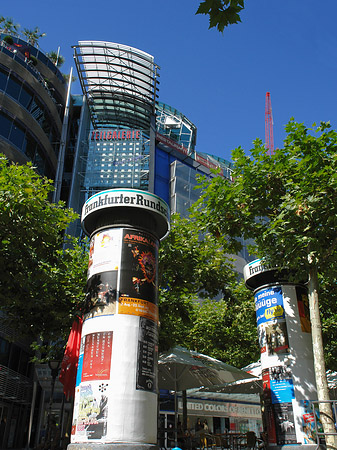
281	384
269	305
282	391
79	370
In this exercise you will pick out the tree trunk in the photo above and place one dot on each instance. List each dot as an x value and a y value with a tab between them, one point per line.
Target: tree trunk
326	415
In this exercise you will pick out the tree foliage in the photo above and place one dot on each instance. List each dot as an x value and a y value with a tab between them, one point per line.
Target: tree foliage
189	268
287	203
202	304
33	36
41	282
221	12
8	26
56	58
226	329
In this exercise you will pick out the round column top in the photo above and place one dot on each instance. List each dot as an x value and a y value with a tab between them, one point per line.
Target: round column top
257	273
126	207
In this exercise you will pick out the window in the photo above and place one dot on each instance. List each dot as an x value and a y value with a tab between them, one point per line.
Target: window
4	351
3	80
26	97
30	147
5	125
17	135
39	163
13	87
14	357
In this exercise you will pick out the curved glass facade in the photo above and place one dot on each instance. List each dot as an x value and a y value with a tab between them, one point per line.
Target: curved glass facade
31	109
19	90
173	124
16	134
119	83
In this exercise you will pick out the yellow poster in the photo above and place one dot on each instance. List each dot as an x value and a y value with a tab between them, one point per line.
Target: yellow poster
138	307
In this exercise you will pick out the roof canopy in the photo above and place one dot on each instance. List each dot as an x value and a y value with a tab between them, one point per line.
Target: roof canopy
119	83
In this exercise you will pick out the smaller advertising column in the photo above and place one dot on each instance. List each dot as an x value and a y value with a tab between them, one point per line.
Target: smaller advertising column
116	388
287	365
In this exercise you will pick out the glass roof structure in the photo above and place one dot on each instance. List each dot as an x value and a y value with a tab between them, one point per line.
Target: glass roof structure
173	124
119	82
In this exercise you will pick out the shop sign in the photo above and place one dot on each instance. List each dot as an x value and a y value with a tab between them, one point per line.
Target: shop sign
115	135
226	409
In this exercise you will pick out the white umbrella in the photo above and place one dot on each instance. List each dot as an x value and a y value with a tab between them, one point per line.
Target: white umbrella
254	385
247	386
180	369
251	385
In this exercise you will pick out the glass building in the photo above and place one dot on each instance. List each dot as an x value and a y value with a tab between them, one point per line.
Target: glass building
32	101
126	137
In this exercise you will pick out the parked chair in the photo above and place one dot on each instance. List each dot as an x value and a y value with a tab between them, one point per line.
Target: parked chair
250	441
225	441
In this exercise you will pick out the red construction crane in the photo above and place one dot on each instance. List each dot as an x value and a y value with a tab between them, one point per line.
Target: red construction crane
269	134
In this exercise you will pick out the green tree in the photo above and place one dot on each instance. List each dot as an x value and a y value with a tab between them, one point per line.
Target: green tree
221	12
33	36
41	282
287	203
328	308
193	269
226	329
56	58
189	268
7	26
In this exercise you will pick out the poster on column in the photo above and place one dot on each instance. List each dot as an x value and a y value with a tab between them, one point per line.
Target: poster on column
268	407
147	355
80	363
97	356
271	323
308	422
104	253
278	393
285	424
92	413
281	384
303	309
102	292
138	289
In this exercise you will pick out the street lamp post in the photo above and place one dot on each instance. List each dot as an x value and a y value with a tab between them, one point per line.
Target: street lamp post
54	367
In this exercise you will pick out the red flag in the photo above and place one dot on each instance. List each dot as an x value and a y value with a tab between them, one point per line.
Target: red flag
70	359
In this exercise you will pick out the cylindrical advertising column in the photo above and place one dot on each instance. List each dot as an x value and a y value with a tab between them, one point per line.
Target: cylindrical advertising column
116	388
284	331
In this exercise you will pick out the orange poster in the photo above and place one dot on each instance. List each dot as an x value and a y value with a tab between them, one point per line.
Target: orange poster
138	307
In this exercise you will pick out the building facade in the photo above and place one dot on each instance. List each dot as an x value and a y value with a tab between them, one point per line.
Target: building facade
114	134
32	105
32	101
126	137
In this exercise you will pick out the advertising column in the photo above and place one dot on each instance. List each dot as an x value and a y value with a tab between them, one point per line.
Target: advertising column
116	388
287	364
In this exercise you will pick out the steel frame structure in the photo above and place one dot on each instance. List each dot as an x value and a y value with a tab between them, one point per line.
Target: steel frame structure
119	82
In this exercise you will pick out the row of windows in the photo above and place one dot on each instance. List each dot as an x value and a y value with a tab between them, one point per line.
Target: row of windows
20	137
14	357
19	91
133	183
104	174
118	144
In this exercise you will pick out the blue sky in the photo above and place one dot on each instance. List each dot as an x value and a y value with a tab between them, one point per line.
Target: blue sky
219	81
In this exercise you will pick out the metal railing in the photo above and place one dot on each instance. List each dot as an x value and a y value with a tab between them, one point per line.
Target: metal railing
320	434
